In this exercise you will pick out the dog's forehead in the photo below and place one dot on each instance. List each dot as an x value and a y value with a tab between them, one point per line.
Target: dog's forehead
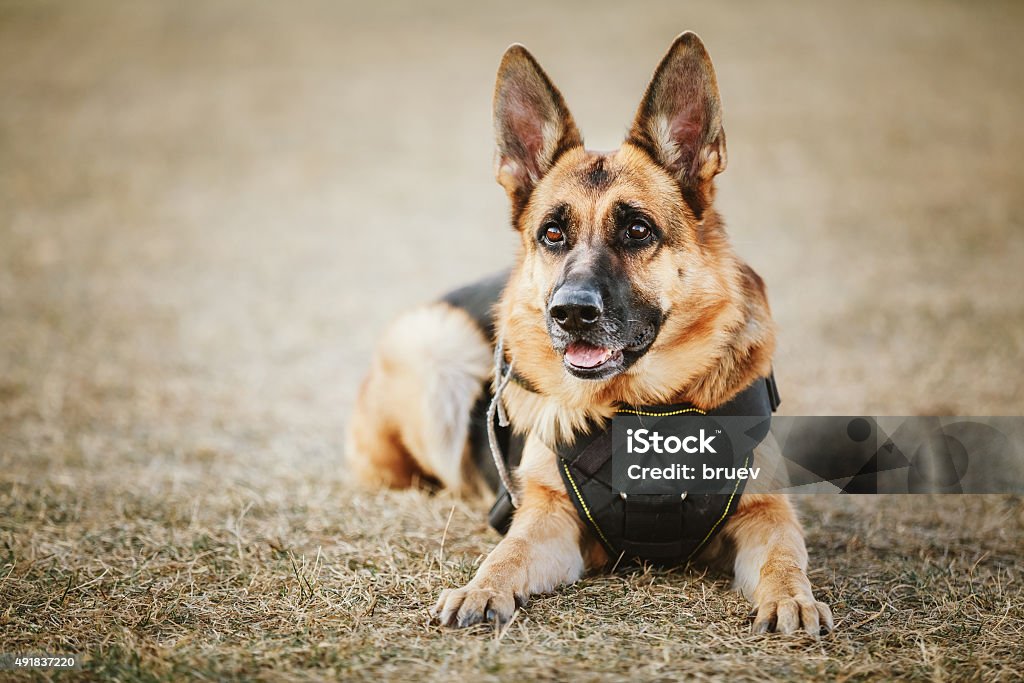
596	180
596	171
580	169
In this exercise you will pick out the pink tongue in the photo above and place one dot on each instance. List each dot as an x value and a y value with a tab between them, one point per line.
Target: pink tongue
586	356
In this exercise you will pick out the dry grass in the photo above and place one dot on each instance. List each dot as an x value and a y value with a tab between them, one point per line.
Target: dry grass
188	576
209	210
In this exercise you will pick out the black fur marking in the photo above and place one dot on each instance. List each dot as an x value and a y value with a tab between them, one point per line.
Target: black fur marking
597	177
478	300
519	200
560	214
693	200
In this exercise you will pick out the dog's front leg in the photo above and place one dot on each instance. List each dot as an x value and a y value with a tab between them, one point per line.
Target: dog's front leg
541	551
771	566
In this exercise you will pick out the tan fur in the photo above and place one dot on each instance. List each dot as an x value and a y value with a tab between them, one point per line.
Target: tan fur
411	419
716	338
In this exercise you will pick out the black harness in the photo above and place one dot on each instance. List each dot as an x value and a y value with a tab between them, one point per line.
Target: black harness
662	529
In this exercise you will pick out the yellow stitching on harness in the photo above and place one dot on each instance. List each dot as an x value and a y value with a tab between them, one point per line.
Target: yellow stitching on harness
583	504
630	411
725	514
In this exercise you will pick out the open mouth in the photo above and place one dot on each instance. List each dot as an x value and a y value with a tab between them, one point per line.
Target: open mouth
588	360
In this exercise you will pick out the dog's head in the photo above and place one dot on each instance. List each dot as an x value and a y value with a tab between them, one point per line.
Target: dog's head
622	254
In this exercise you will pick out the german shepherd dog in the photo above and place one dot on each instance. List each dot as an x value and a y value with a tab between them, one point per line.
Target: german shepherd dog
625	290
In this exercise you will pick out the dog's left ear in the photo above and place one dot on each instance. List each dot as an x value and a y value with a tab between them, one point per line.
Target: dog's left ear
532	124
680	117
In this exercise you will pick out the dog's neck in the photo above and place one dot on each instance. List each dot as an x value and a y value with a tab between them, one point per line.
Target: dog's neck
746	353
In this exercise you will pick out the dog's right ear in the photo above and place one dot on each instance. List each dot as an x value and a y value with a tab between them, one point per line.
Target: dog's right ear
532	125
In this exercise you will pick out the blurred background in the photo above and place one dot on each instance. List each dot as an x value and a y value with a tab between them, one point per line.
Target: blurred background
208	211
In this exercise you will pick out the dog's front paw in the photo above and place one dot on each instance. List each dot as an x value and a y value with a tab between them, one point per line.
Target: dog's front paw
472	604
790	613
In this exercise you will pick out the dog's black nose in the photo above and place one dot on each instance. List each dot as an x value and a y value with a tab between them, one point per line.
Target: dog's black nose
576	307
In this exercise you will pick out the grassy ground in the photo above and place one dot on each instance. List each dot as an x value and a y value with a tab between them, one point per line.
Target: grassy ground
206	580
208	212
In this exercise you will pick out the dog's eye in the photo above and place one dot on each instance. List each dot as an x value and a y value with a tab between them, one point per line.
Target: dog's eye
638	231
552	234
